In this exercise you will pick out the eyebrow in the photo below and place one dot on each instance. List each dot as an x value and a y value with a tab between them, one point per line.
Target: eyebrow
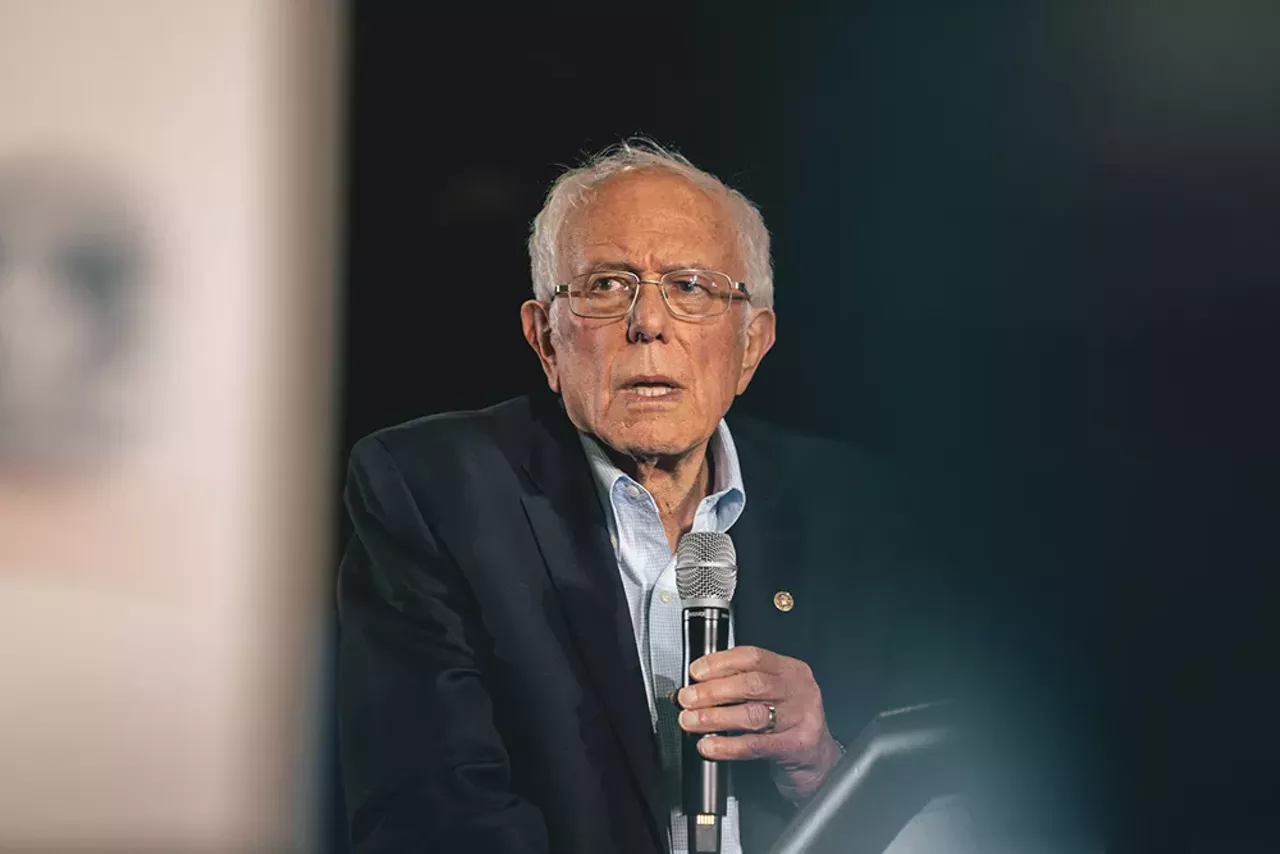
631	268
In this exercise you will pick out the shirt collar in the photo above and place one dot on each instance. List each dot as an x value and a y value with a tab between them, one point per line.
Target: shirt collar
728	491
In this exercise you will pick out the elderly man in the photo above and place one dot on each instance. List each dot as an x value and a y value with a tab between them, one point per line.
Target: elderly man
510	622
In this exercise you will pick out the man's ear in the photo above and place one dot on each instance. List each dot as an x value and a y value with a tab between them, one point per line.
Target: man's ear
535	319
761	331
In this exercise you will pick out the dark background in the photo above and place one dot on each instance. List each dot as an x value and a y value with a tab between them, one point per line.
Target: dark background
1028	252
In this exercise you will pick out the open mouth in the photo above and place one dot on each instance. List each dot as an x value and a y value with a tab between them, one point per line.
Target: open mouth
652	387
652	390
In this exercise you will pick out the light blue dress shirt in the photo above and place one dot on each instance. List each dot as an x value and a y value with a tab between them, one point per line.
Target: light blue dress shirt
648	569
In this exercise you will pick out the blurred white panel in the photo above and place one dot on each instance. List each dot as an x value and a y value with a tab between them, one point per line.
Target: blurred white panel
167	222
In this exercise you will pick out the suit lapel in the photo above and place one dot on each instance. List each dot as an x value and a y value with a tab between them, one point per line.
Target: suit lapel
767	540
570	529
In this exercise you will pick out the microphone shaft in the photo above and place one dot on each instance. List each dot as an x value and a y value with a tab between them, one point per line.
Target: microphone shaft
705	784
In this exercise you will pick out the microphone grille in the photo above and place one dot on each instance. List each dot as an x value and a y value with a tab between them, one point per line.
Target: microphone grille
706	566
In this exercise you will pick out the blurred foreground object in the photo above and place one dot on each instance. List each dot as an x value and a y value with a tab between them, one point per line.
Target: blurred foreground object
167	222
71	281
901	762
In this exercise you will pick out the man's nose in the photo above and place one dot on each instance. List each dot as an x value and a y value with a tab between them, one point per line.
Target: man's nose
649	316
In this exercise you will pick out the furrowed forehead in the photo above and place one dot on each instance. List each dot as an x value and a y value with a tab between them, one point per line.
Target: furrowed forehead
652	219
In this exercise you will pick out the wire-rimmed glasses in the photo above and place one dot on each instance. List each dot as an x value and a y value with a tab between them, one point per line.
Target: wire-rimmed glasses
687	293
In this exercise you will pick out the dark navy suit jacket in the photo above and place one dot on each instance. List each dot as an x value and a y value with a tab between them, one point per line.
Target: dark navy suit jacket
490	695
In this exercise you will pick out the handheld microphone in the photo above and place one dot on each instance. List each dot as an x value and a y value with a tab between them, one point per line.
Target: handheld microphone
706	576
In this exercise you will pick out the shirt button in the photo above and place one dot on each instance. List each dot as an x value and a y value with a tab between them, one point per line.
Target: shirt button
633	490
665	596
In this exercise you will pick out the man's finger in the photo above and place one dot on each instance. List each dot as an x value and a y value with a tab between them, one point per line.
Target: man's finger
738	688
739	659
749	746
745	717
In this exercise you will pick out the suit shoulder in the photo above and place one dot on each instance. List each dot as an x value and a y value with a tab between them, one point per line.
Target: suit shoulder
843	477
797	452
445	435
451	444
443	464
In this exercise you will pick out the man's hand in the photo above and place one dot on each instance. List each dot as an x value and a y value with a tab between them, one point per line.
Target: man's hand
734	691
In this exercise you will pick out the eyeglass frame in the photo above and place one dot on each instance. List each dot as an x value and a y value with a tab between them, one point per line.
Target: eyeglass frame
734	287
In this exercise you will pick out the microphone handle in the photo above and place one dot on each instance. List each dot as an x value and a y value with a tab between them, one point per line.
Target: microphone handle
705	783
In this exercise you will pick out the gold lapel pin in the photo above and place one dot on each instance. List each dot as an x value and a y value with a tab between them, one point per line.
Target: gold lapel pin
783	601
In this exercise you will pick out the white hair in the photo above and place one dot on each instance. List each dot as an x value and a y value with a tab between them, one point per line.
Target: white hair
574	186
